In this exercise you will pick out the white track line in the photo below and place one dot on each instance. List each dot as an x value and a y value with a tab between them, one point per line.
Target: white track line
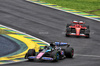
63	11
87	55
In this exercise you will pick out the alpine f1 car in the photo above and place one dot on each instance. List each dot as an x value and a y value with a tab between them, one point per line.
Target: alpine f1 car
54	52
78	29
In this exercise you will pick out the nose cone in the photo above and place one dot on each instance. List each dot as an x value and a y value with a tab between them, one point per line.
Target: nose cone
78	31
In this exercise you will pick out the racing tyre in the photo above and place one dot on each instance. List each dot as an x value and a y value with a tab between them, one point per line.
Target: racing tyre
68	30
55	55
87	33
67	35
31	52
87	36
69	52
68	25
86	26
26	56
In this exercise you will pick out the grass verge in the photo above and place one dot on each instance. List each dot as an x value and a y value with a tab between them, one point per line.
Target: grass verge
80	5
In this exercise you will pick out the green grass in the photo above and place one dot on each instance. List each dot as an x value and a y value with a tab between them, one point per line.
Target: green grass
80	5
96	13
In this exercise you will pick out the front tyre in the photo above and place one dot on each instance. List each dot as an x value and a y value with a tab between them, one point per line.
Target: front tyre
26	56
87	36
67	35
55	55
31	52
87	33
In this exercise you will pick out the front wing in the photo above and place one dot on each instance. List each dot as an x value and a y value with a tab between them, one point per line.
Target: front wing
43	58
77	35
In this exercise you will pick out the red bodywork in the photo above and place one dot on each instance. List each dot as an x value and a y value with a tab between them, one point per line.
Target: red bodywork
77	27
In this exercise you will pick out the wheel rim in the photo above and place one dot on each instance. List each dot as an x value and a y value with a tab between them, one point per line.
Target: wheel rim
57	56
72	52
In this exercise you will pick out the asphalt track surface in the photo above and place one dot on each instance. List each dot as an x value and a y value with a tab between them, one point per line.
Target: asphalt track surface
49	25
7	46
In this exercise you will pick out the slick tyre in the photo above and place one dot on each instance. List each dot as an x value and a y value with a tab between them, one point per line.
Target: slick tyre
87	36
26	56
69	52
86	26
68	31
68	25
67	35
87	33
31	52
55	55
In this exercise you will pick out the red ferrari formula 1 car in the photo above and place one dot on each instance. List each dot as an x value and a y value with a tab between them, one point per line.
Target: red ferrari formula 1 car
77	28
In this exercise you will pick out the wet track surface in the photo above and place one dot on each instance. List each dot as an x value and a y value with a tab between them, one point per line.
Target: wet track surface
49	25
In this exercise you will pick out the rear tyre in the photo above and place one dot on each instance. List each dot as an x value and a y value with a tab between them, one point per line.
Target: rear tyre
68	25
69	52
87	33
87	26
26	56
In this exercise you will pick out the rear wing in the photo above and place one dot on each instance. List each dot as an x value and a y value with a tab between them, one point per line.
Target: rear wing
78	22
61	44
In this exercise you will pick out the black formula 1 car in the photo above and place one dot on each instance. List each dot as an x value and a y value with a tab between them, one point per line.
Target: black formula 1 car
78	29
54	52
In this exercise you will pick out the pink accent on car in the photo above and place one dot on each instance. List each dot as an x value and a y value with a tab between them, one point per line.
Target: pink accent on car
39	55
